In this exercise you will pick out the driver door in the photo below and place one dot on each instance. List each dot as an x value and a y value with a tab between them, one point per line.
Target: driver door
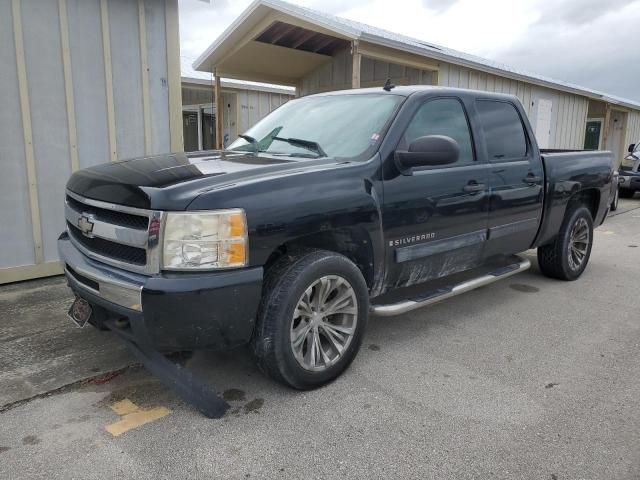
435	219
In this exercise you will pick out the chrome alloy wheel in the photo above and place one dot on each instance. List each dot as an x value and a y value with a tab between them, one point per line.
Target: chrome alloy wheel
578	244
324	323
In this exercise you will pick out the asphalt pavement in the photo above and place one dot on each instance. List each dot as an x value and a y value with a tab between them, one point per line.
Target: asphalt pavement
526	378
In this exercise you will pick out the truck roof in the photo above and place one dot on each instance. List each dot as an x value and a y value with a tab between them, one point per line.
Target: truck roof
407	90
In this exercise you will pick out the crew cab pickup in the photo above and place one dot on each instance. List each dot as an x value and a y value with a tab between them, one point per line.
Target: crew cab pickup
332	207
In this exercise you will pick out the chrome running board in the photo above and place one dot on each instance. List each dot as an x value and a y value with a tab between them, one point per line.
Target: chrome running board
434	296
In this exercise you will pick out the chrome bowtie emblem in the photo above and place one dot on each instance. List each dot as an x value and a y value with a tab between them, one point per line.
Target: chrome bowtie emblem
85	224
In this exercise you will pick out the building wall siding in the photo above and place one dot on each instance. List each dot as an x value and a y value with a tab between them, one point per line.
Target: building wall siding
333	75
66	105
336	74
45	82
569	112
633	129
251	107
89	86
18	247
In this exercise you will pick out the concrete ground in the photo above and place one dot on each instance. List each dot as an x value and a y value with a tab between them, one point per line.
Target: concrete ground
526	378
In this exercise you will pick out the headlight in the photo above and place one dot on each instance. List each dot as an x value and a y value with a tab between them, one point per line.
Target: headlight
205	240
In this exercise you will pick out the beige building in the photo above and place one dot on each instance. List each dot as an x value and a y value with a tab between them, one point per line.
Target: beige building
83	82
274	41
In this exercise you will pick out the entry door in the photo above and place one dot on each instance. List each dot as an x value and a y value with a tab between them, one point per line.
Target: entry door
516	178
435	220
190	129
208	131
592	135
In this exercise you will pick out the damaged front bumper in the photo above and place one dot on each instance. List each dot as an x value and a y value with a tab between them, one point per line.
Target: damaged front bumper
178	311
174	312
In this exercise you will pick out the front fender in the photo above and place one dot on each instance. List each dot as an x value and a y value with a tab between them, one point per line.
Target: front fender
282	209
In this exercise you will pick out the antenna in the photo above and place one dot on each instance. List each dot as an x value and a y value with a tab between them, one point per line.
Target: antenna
388	85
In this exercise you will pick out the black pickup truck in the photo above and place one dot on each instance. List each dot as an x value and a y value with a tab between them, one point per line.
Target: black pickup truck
333	207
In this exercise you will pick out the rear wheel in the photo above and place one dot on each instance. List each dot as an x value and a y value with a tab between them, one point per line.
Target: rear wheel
614	202
626	193
311	320
567	257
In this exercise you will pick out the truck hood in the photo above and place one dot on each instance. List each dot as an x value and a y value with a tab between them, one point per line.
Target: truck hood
173	181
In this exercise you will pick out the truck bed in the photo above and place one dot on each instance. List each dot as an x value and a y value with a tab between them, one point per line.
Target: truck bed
566	173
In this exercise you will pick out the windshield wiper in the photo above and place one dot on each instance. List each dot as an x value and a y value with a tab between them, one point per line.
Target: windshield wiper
307	144
252	141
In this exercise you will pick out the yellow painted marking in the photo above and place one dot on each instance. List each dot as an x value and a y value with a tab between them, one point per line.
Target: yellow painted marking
133	416
606	232
124	407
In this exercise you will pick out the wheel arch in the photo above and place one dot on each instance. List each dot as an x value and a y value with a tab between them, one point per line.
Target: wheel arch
589	197
355	243
558	210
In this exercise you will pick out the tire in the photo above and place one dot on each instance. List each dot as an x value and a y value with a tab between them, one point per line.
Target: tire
626	193
291	306
614	202
558	259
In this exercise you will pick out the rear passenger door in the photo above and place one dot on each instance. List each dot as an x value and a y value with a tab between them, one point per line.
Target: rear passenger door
435	220
515	177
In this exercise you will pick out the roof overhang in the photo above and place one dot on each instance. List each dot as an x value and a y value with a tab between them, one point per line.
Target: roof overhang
238	54
244	51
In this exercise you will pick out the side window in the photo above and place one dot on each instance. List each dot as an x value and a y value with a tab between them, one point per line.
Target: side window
442	116
503	130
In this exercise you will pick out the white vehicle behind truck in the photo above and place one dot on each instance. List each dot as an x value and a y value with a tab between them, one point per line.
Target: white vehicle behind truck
630	172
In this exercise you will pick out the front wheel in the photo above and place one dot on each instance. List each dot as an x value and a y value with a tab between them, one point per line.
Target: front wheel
567	257
311	320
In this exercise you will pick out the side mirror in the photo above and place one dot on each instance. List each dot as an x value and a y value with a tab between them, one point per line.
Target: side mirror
431	150
632	147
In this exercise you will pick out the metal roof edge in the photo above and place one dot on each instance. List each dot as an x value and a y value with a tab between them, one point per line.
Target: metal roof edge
240	85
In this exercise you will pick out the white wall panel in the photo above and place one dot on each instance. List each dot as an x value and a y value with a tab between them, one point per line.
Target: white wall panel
263	104
45	78
158	85
127	82
85	43
15	222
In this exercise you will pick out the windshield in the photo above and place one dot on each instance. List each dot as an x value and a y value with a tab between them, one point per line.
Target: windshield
344	126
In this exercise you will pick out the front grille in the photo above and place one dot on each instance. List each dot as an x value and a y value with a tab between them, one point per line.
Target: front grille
106	248
110	216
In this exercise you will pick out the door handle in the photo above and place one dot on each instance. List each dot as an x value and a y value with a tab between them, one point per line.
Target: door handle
473	187
532	179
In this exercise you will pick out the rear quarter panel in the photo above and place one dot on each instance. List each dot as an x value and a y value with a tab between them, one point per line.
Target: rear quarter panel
567	174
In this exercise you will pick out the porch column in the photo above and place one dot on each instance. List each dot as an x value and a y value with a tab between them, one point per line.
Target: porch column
356	62
217	92
605	127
